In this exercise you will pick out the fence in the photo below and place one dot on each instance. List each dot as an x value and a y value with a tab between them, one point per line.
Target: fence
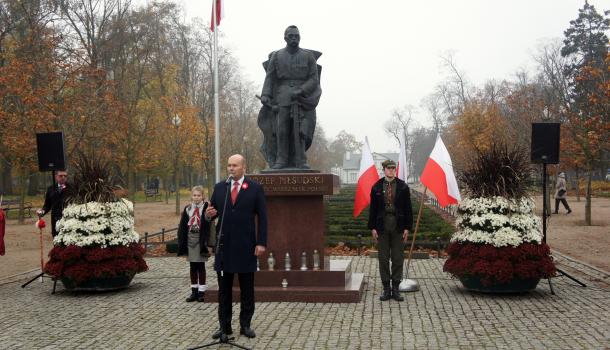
450	209
163	233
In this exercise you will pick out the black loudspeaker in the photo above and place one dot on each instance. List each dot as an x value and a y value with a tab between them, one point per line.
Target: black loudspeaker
545	143
51	151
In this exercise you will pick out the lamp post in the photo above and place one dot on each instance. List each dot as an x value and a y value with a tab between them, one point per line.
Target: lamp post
176	122
245	152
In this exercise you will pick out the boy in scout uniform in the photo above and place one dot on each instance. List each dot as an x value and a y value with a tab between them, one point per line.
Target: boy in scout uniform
390	220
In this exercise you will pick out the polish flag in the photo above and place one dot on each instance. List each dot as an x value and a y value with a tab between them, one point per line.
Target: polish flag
220	13
401	168
367	176
438	175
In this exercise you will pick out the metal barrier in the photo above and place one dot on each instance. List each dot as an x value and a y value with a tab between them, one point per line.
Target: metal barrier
450	209
161	233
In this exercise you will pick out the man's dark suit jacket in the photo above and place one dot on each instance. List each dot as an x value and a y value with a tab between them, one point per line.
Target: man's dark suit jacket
402	202
240	235
54	202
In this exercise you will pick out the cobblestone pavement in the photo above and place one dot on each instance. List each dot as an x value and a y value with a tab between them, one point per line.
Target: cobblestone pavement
152	314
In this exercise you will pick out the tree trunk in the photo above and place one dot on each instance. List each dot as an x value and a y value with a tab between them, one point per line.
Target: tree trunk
33	184
577	185
166	187
549	192
588	199
210	181
6	181
133	187
23	185
177	188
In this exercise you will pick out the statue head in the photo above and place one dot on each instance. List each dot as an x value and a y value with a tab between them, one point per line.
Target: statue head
292	36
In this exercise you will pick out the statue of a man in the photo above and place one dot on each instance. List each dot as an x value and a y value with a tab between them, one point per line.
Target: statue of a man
290	95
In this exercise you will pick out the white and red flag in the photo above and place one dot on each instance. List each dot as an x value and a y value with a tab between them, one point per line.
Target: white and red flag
220	13
401	168
367	176
438	175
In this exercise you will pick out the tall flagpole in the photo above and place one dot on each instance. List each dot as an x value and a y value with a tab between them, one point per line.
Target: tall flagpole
216	109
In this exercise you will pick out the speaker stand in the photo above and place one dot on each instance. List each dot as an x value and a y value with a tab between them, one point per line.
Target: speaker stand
224	339
545	214
42	275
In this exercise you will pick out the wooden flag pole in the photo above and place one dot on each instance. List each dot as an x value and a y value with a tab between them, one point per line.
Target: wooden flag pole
421	206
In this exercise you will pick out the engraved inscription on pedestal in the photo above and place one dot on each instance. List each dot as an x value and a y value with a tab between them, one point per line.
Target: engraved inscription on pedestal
297	184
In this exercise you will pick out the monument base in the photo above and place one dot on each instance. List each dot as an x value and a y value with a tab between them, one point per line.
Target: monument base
335	285
289	171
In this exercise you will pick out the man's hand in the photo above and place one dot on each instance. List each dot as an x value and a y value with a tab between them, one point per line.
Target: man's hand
210	212
265	100
296	93
259	250
375	235
405	235
40	212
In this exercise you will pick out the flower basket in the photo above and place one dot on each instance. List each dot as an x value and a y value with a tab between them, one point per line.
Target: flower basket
515	285
100	284
498	248
96	248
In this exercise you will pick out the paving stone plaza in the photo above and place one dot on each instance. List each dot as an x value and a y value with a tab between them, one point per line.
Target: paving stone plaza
152	314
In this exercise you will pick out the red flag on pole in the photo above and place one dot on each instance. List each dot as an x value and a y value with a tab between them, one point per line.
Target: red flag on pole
438	175
220	13
367	176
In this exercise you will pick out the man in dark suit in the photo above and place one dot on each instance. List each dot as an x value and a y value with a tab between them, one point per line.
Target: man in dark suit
390	220
240	242
54	199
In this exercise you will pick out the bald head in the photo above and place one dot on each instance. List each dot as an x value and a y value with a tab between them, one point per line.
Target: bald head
236	166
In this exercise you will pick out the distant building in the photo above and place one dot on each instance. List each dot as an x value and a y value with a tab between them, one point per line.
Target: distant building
348	171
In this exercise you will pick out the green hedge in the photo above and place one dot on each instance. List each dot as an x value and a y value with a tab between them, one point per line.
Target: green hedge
342	227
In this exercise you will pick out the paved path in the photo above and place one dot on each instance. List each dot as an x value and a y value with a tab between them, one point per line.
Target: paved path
152	314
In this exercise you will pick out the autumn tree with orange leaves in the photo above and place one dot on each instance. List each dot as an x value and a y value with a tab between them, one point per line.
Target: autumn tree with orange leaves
28	81
588	116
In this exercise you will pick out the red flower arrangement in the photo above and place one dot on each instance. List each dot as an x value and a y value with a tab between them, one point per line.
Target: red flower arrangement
83	263
499	265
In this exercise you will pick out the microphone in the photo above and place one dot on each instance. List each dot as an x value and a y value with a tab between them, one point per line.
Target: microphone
229	179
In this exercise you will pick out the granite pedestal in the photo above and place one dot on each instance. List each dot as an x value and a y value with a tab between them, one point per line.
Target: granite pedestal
295	210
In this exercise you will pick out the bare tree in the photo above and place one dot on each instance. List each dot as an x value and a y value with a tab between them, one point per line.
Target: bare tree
400	123
432	104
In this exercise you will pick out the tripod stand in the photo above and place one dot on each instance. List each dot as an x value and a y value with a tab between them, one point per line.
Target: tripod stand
42	275
545	214
223	338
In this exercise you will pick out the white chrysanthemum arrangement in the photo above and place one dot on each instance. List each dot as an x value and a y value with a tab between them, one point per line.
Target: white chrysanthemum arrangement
499	238
497	221
96	239
97	224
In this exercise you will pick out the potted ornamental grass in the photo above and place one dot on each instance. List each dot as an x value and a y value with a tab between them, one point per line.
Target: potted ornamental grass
498	246
96	247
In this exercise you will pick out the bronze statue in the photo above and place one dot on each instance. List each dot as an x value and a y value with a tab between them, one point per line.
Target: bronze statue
290	95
